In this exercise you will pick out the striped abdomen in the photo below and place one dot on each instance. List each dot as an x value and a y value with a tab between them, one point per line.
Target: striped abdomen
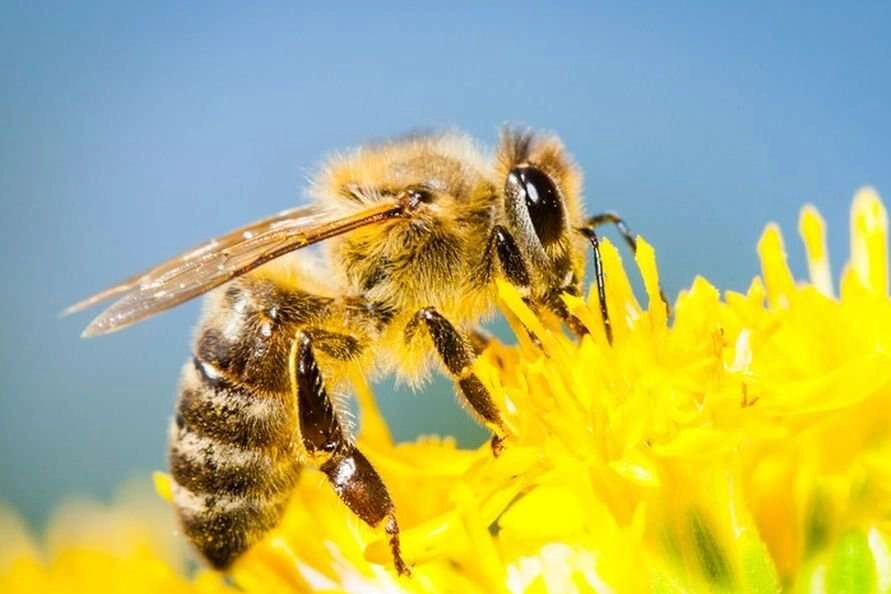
233	452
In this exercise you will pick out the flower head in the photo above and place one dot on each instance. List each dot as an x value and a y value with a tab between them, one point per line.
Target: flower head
743	447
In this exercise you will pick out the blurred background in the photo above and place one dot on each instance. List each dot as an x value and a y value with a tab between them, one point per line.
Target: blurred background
131	133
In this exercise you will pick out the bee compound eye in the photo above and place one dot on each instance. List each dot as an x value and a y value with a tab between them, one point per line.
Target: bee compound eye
543	201
419	196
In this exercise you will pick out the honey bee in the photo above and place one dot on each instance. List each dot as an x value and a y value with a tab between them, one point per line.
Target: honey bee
415	232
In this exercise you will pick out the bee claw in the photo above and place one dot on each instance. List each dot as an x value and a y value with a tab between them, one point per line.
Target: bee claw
497	444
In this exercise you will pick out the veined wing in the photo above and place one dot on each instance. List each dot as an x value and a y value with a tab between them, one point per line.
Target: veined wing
219	260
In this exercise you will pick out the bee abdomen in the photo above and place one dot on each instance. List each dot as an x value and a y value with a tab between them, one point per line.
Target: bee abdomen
232	459
222	527
232	412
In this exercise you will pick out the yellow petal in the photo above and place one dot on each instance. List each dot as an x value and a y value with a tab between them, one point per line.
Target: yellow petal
813	232
869	241
777	276
646	261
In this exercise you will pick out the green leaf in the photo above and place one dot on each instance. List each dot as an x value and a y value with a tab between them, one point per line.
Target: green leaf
852	570
759	574
712	558
819	519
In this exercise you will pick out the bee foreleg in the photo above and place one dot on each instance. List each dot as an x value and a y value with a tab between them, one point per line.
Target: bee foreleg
353	477
502	246
457	355
623	229
513	265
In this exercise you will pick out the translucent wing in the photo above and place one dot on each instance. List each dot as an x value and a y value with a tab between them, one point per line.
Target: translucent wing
219	260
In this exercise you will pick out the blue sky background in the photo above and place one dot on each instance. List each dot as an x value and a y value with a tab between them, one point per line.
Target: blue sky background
131	132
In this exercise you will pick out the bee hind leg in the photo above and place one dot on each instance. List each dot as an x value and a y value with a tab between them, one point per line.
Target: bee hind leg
353	477
457	355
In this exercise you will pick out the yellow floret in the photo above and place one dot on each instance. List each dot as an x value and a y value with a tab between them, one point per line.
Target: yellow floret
742	446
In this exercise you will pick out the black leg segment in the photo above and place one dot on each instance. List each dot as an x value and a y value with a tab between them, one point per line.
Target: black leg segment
457	354
598	278
502	246
320	429
621	226
623	229
512	263
350	473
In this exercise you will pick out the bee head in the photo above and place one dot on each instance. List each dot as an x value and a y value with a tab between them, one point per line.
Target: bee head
542	204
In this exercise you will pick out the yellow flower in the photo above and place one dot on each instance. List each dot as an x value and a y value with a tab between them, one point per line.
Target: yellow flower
744	447
128	548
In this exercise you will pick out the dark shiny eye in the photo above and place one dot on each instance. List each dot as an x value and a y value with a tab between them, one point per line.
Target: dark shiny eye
418	196
542	201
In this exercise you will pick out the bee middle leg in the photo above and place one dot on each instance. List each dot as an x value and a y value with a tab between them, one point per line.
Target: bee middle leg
353	477
457	354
